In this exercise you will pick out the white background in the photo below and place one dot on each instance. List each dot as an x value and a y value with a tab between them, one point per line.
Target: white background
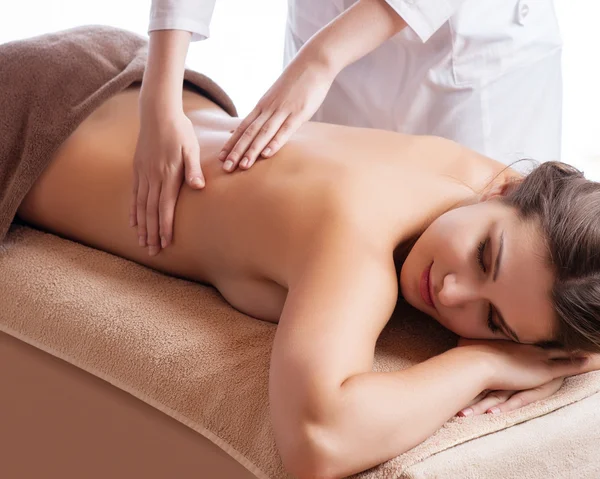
245	51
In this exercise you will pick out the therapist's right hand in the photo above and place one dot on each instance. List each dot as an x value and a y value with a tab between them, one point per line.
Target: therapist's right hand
167	149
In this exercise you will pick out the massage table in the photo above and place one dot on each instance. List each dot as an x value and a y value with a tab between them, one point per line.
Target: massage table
72	409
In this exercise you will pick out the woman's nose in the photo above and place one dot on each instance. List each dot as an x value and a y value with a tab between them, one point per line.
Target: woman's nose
455	292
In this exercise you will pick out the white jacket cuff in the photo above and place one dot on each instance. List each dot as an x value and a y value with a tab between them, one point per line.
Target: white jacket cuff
189	15
198	29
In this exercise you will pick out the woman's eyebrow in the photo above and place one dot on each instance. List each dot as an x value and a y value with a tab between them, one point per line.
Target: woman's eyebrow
497	264
499	256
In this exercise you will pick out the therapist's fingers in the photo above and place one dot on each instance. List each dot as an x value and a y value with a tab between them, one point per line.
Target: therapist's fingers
141	201
152	225
245	140
166	209
265	135
287	129
133	206
234	138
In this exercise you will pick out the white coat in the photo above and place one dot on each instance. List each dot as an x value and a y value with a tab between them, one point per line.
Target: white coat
485	73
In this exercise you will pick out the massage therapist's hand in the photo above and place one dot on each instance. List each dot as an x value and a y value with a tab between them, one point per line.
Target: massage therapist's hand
302	87
167	146
292	100
518	367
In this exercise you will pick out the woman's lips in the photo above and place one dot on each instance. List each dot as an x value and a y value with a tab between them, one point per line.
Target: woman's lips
425	286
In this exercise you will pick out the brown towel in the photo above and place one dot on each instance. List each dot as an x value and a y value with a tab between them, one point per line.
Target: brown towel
181	348
50	84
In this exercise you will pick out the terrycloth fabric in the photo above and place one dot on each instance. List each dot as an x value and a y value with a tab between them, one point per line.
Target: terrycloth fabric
561	445
178	346
51	83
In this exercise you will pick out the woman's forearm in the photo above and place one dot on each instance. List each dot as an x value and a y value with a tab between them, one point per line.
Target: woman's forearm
352	35
378	416
163	78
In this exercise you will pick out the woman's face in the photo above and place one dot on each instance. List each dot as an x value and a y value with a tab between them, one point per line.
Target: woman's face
481	272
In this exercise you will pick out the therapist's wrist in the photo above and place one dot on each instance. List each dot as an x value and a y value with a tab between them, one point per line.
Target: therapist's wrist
319	60
156	100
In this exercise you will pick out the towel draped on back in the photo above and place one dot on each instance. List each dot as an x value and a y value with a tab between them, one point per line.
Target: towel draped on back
49	84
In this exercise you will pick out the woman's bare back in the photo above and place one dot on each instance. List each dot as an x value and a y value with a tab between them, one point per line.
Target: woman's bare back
248	232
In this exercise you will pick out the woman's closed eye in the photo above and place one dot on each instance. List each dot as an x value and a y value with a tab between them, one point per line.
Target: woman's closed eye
492	326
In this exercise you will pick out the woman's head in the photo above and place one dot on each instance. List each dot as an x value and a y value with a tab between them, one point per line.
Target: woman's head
521	264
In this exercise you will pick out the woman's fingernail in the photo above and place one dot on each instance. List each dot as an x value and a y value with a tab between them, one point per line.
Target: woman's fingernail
163	242
466	412
266	151
153	250
222	155
494	410
131	221
228	165
245	162
142	240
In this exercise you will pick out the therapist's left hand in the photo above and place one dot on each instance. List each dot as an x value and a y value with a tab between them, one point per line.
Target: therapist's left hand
292	100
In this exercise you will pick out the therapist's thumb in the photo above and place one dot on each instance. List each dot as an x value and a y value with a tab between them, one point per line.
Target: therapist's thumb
193	172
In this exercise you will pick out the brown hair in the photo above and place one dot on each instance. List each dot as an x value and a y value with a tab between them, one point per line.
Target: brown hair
567	207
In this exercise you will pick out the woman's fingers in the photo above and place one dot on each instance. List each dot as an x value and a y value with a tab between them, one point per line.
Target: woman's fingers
141	202
269	129
523	398
491	400
152	218
497	402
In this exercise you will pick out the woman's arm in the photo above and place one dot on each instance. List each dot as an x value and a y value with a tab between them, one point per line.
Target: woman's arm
302	87
332	415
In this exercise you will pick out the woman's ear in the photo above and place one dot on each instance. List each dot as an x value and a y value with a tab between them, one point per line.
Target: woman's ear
498	189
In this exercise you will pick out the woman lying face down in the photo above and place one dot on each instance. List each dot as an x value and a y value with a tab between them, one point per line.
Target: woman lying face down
311	239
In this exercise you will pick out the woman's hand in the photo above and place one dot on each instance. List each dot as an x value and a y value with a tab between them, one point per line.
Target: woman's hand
519	367
496	402
166	145
292	100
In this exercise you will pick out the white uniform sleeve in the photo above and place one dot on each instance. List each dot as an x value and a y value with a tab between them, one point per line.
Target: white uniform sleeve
425	17
189	15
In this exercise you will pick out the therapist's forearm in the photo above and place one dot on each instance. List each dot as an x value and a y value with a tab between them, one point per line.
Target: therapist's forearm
163	78
353	34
